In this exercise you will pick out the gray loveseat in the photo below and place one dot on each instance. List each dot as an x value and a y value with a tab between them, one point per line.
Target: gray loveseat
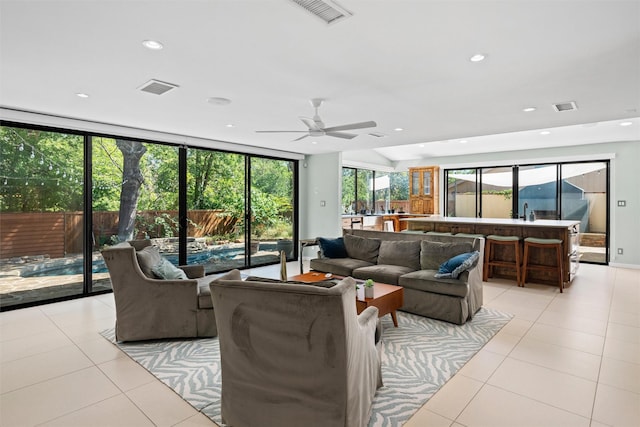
412	261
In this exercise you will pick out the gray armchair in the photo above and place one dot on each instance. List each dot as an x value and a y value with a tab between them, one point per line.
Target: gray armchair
150	308
295	355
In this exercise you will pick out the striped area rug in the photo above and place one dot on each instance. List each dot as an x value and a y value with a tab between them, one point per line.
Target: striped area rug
418	357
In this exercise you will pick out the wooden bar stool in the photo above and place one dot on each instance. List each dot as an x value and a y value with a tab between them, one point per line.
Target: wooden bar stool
494	240
543	244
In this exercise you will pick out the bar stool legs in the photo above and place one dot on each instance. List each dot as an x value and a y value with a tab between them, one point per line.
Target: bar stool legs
489	256
543	244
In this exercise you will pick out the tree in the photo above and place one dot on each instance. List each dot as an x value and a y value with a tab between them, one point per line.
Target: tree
132	179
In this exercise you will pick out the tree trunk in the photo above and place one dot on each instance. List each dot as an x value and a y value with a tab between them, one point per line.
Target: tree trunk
132	179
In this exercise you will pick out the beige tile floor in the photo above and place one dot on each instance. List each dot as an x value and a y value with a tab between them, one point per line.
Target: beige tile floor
570	359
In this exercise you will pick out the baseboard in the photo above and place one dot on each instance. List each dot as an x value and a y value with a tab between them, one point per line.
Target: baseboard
619	265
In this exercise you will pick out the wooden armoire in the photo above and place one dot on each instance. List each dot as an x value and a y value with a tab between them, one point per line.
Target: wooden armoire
424	190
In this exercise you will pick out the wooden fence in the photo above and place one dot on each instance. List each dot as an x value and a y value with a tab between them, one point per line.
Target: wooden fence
57	234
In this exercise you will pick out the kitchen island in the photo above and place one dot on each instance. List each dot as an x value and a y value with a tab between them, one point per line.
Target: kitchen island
565	230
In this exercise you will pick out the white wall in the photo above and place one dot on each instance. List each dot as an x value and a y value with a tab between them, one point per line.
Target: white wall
320	181
625	185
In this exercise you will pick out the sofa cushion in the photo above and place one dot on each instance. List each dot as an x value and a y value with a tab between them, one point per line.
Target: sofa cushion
362	248
383	273
167	271
456	265
425	280
204	292
147	259
332	248
339	266
432	254
406	254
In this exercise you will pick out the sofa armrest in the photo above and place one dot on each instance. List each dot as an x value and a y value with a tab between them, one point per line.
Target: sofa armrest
192	271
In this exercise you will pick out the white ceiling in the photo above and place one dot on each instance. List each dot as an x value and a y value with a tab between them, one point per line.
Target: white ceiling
403	64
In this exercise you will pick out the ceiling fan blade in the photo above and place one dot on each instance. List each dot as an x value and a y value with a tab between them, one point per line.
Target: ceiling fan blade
361	125
302	137
341	135
310	123
281	131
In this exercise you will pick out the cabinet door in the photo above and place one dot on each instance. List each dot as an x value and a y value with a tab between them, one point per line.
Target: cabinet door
417	206
427	206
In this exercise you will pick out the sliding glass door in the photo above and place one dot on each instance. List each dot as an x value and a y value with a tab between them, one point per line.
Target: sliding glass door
272	215
41	216
134	196
569	191
584	198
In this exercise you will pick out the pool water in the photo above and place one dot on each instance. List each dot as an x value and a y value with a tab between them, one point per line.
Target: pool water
63	267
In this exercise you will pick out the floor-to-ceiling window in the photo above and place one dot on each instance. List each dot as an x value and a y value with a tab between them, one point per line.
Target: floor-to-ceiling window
375	192
272	209
192	203
216	209
41	215
573	191
134	195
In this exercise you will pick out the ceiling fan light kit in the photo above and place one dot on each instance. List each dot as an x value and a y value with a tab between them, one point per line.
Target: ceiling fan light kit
316	127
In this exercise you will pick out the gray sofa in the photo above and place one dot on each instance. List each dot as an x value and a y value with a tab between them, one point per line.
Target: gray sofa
411	260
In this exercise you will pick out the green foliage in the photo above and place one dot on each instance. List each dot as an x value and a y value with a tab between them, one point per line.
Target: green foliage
51	180
40	171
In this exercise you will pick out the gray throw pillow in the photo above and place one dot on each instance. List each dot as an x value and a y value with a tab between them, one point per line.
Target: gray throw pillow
405	254
148	258
432	254
167	271
362	248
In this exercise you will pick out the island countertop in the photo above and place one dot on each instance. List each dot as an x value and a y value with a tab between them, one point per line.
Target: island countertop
495	221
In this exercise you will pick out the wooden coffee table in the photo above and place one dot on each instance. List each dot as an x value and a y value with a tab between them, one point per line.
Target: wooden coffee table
388	298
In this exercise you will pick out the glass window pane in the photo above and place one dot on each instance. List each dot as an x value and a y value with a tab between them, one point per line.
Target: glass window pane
271	209
348	190
426	183
364	189
461	193
584	198
135	196
399	191
215	209
41	215
537	192
415	183
496	192
382	195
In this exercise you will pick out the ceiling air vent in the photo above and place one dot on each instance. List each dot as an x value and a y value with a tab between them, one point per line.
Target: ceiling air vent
565	106
157	87
326	10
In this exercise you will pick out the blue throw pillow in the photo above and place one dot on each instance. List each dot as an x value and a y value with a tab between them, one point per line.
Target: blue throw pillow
332	248
453	267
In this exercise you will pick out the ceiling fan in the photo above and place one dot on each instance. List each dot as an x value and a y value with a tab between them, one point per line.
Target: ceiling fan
316	126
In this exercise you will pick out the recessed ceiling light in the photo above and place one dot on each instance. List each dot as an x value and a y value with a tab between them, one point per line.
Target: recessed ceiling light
218	101
529	109
398	129
478	57
152	44
626	123
314	142
229	125
82	95
421	145
463	141
545	132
